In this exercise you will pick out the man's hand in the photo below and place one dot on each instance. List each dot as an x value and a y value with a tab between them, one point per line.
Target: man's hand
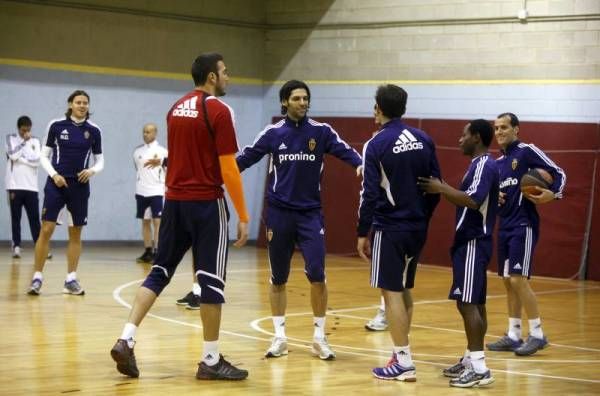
59	181
242	234
430	185
360	171
27	135
363	246
153	163
85	175
543	196
501	198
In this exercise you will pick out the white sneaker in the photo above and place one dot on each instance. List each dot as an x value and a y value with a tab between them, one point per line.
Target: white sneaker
278	347
378	323
16	252
321	348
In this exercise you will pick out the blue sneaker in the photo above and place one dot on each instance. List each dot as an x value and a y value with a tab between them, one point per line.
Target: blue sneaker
394	371
504	344
34	289
73	287
531	346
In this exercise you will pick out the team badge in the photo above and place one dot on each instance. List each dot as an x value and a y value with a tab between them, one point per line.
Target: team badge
312	143
86	134
269	234
514	164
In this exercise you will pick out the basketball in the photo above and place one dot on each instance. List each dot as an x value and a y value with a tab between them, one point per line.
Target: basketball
537	177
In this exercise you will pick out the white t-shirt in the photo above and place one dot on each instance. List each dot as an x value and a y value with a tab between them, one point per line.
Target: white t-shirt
23	161
150	181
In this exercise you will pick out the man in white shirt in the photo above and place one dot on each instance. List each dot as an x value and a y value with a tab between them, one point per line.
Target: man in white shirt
23	155
150	160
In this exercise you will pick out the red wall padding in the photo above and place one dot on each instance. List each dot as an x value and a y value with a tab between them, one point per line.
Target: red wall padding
573	146
593	263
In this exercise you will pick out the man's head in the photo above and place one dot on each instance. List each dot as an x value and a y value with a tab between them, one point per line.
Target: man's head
208	70
476	137
79	105
294	97
506	129
24	127
391	100
149	132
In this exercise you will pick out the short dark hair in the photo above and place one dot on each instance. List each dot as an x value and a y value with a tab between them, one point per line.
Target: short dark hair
70	99
514	121
204	65
23	121
484	129
391	100
286	91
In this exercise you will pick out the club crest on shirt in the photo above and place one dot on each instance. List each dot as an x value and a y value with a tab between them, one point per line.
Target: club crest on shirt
269	234
514	164
86	134
312	143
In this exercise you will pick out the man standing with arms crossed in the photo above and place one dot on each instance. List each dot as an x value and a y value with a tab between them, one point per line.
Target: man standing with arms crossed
518	232
150	160
397	211
202	146
23	155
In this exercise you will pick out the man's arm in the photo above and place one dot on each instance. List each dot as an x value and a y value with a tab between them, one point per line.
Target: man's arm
433	185
233	183
538	159
13	151
337	147
252	154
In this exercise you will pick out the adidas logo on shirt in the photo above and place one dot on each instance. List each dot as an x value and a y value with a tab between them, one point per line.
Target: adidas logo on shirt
457	292
282	146
517	266
187	109
406	142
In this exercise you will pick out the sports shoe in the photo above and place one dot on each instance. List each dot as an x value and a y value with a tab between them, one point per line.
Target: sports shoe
531	346
145	258
194	303
73	287
34	289
321	348
504	344
470	378
185	300
220	371
394	371
456	370
49	256
125	358
278	347
16	252
378	323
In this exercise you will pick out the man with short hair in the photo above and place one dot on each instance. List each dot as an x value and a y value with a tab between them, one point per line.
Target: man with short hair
23	155
398	213
519	230
150	161
202	146
476	206
297	145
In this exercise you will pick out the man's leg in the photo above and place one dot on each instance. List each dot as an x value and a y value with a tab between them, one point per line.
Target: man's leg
32	208
536	339
398	316
15	201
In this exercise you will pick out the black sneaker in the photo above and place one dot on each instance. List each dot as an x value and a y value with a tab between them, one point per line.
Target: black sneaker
125	358
145	258
454	371
194	303
470	378
185	300
220	371
504	344
531	346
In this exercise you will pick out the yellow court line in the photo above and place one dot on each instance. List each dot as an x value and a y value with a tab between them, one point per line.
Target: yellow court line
114	71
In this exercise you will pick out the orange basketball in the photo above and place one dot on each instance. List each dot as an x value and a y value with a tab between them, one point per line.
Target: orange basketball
537	177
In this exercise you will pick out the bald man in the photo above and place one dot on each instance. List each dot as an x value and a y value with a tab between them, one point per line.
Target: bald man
150	160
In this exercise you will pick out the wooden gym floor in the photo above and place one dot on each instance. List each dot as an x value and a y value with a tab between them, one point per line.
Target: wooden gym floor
59	344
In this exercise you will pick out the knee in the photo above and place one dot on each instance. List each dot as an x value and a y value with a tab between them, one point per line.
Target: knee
316	274
278	288
517	282
157	279
212	290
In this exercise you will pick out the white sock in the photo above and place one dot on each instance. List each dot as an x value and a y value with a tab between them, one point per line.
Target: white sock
196	289
382	306
279	326
128	334
319	325
466	359
403	355
535	328
71	276
38	275
210	352
514	328
478	362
